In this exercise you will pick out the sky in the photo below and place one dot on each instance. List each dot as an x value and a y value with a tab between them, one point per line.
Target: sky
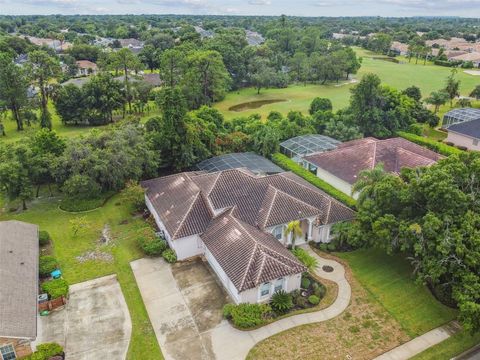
465	8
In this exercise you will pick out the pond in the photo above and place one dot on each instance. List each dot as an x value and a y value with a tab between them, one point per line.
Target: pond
253	104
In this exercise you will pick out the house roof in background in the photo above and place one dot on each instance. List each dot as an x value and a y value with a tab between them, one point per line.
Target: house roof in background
351	157
18	279
468	128
86	64
248	255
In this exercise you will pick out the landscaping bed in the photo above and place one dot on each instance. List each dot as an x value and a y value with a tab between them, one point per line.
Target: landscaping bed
313	296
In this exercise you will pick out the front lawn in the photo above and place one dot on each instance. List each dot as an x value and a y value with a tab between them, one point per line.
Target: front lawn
83	257
449	348
389	279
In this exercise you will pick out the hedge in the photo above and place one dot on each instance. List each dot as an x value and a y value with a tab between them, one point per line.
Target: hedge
55	288
288	164
436	146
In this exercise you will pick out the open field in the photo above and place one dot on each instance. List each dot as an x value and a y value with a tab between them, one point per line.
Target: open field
427	77
111	258
389	279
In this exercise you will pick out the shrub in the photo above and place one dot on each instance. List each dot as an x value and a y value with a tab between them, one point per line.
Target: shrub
46	265
150	243
305	283
300	301
246	315
134	194
45	351
281	302
314	299
169	256
55	288
43	238
305	258
416	129
288	164
431	144
319	290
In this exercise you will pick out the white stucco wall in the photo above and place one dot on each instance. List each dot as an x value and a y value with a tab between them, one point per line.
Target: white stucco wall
322	233
336	182
291	283
463	140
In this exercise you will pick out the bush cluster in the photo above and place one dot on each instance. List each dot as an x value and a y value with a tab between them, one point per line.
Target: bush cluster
43	238
288	164
55	288
47	264
150	243
45	352
314	299
305	258
246	315
436	146
169	256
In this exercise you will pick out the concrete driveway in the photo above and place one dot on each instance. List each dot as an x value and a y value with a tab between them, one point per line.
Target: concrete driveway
184	302
95	324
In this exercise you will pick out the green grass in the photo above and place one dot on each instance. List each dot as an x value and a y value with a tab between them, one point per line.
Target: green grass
389	279
67	246
453	346
400	76
67	131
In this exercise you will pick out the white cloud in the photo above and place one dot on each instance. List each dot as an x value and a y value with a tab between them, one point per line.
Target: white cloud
259	2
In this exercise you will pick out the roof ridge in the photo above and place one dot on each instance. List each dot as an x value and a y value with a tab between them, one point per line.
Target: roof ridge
399	148
295	199
271	204
374	158
214	183
186	214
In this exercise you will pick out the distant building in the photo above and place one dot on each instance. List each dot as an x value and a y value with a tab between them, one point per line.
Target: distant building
133	44
463	127
473	57
204	33
341	167
399	48
19	288
254	38
86	67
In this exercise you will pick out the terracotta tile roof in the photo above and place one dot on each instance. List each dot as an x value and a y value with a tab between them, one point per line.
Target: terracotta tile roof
248	255
86	64
351	157
185	202
18	279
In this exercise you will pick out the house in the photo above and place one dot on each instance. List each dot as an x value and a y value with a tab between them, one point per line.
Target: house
465	134
19	288
86	67
254	38
237	220
473	57
341	167
399	48
298	147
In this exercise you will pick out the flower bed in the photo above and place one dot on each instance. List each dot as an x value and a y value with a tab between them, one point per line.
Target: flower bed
251	316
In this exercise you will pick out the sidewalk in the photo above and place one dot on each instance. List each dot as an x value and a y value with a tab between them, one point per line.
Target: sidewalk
421	343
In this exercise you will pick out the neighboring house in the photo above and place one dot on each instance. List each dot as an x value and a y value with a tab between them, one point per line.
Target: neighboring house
86	67
298	147
18	288
399	48
133	44
473	57
237	220
254	38
465	134
341	167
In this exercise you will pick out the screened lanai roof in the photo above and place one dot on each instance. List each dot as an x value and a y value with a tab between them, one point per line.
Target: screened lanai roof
255	163
461	115
304	145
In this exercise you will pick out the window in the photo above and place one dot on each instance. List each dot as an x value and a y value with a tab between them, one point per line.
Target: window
279	285
7	352
278	232
265	289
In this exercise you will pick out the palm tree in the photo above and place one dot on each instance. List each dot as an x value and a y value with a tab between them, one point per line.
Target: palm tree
367	180
437	98
295	229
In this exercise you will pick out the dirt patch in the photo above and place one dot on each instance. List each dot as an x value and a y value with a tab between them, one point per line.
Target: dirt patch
254	104
95	255
364	331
